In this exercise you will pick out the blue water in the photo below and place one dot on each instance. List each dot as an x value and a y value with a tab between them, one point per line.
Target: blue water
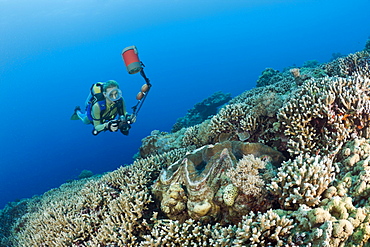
52	51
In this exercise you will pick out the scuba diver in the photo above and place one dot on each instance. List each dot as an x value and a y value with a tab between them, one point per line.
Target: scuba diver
105	109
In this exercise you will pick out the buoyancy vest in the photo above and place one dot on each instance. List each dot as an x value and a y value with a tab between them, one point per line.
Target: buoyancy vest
97	97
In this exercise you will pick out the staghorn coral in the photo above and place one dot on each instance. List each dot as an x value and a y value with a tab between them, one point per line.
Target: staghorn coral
206	182
54	221
188	233
263	229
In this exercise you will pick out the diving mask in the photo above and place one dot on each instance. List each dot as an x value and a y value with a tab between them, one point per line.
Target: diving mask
114	94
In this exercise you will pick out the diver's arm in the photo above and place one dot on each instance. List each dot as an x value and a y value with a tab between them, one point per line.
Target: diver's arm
95	112
130	117
124	107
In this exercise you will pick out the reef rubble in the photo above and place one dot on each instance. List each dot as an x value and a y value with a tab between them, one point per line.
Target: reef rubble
282	164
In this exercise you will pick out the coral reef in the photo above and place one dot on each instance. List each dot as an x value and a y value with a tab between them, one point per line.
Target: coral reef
247	120
322	114
347	65
303	180
367	46
255	229
10	214
161	142
109	211
85	174
354	177
202	111
268	76
223	181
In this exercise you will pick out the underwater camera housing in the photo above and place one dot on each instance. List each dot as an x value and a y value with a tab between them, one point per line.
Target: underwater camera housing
124	124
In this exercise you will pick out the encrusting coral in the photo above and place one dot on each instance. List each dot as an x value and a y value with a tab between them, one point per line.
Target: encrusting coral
223	182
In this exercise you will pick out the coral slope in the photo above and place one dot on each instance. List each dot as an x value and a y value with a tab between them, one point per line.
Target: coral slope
283	164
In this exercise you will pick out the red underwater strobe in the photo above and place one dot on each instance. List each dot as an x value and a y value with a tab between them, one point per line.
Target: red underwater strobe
131	59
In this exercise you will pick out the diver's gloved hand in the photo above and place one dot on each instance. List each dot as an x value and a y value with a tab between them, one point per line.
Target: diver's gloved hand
131	118
112	125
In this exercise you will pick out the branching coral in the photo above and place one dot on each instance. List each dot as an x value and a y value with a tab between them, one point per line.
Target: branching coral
245	175
106	211
197	135
322	114
263	229
190	232
354	177
303	180
347	65
251	120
